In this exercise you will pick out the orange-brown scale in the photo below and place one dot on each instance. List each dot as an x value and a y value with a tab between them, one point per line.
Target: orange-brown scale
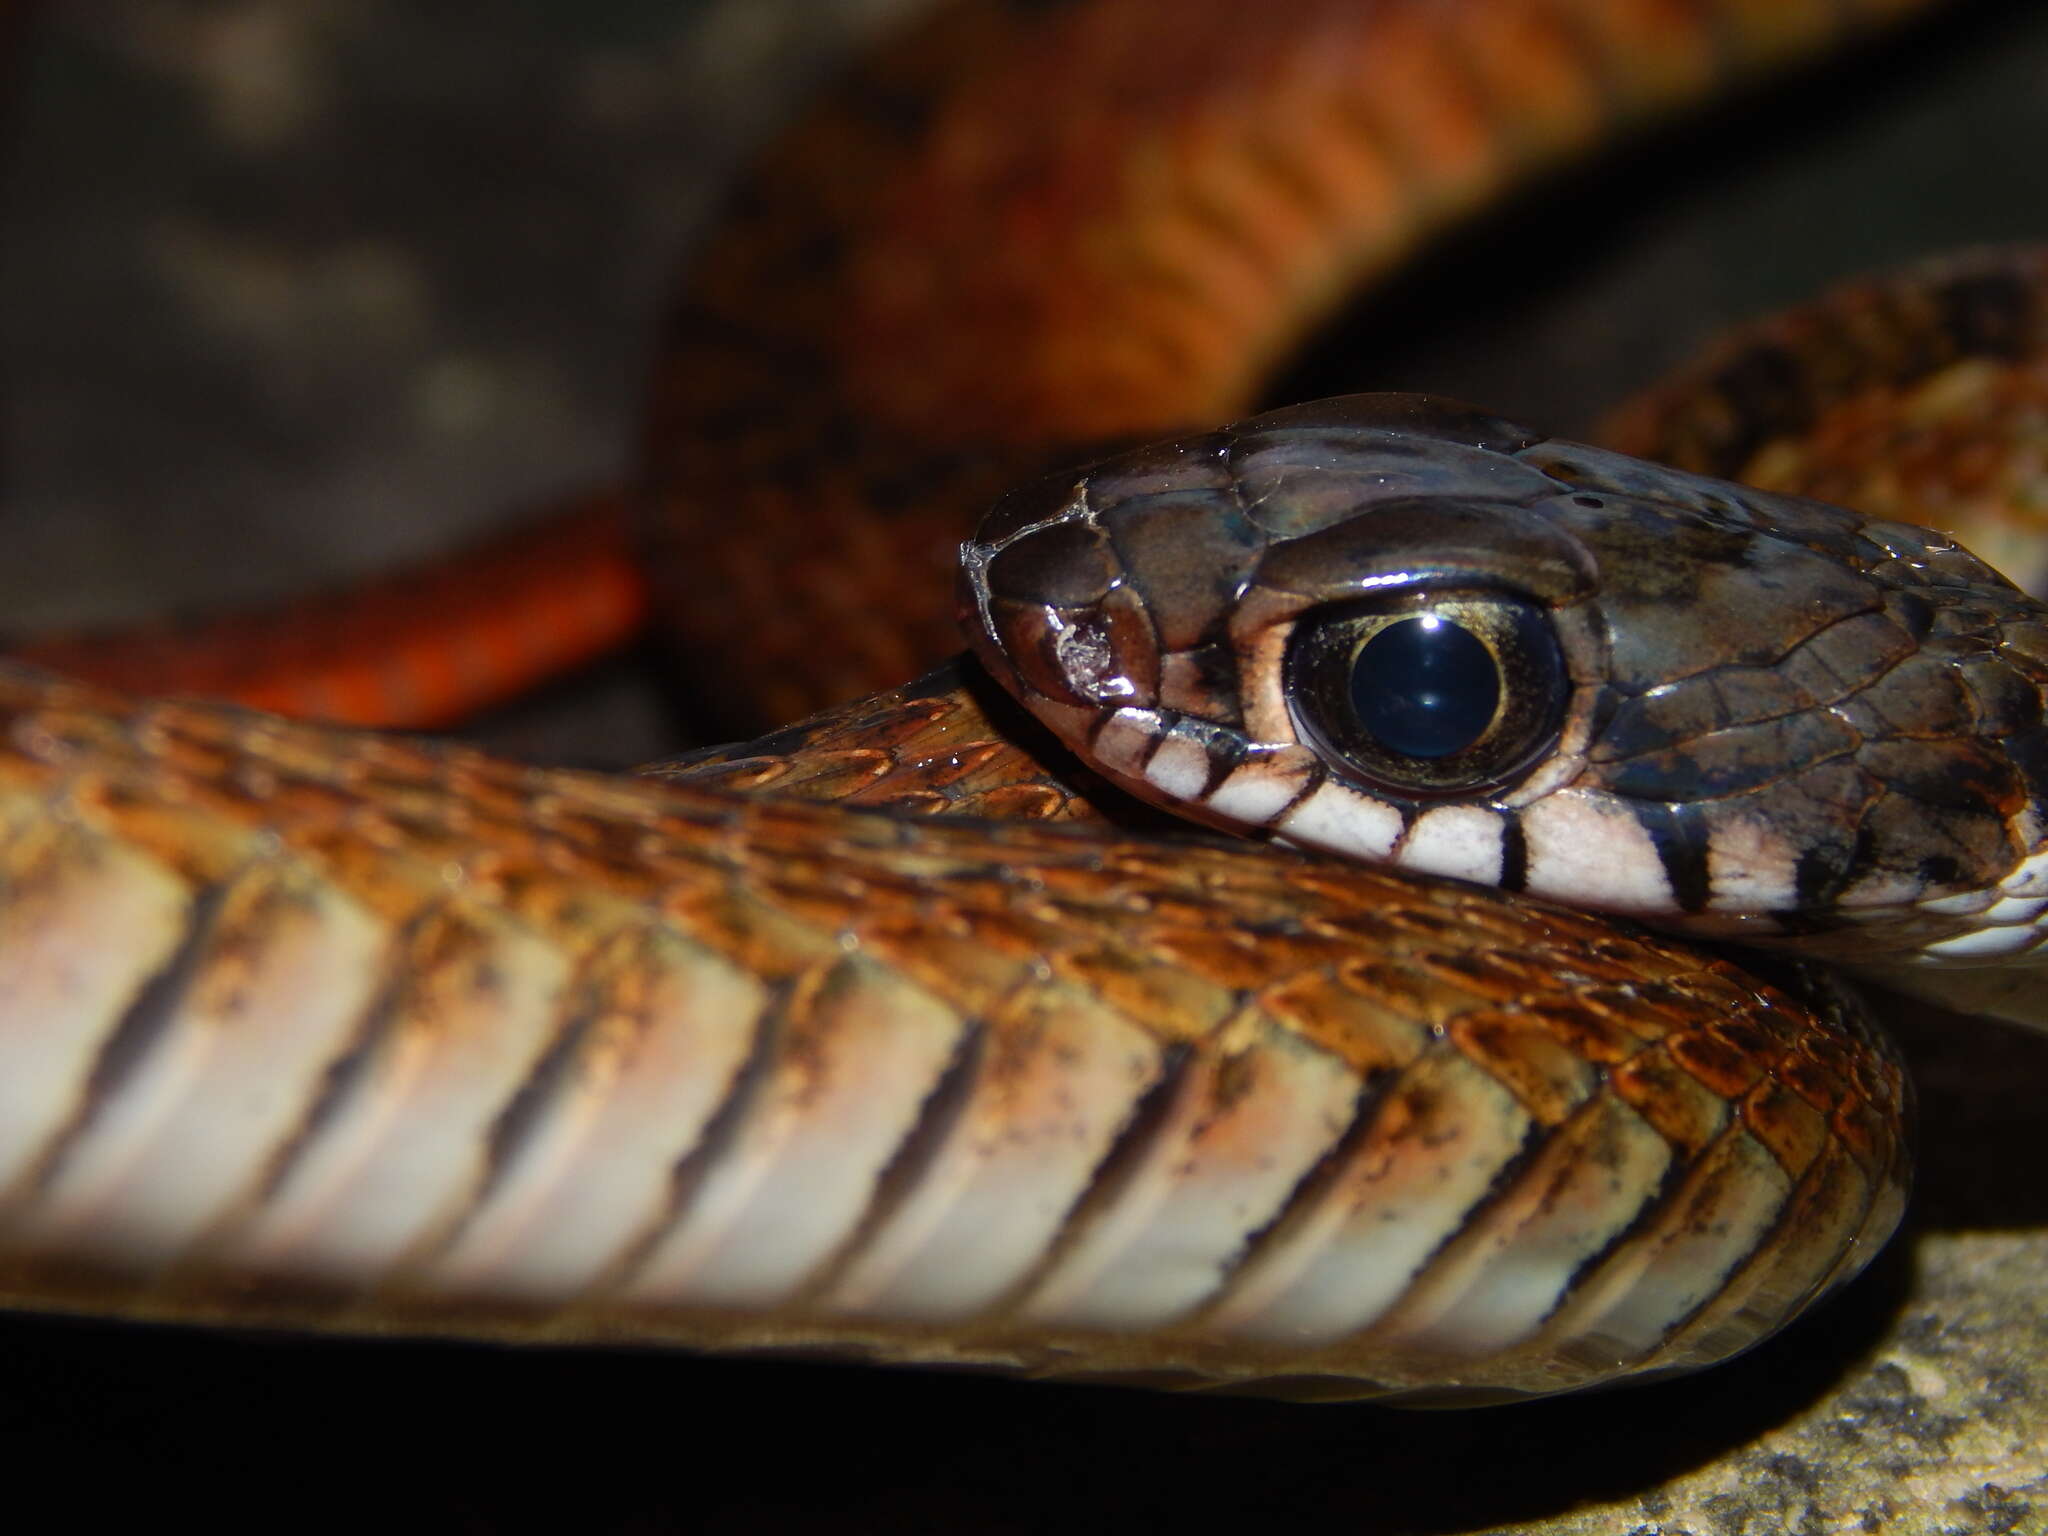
948	743
1920	395
1022	231
442	843
424	648
1031	229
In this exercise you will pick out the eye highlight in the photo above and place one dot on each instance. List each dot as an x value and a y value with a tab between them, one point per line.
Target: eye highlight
1431	693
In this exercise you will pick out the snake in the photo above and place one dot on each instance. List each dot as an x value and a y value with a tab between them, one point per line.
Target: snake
338	1030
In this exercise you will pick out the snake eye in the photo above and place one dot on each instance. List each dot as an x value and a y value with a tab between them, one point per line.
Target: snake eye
1431	693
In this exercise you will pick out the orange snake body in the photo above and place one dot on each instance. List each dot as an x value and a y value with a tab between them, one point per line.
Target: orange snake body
1019	233
452	999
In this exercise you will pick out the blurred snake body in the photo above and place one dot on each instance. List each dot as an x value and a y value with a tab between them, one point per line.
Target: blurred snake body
320	1028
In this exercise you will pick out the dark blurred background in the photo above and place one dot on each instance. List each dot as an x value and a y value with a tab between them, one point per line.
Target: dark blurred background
292	290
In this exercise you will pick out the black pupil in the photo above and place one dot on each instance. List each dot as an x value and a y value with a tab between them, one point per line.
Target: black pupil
1425	687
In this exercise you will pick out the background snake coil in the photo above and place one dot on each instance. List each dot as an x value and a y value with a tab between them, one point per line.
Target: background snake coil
554	1056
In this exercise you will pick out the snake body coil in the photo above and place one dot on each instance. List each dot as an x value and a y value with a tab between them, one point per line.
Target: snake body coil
325	1029
409	1038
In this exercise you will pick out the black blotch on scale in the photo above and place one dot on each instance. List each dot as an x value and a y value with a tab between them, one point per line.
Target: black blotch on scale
1825	870
1514	855
1679	834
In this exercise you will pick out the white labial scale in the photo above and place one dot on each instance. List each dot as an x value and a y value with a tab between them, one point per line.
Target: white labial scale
283	974
1343	821
1439	1138
1751	867
63	988
1459	842
1510	1267
406	1140
1664	1273
1179	770
599	1171
1059	1076
1960	904
845	1088
1260	788
2006	926
1987	943
2017	910
2029	879
1244	1127
1584	848
1124	741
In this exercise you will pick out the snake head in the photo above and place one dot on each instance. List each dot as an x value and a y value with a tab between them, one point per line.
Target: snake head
1400	630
